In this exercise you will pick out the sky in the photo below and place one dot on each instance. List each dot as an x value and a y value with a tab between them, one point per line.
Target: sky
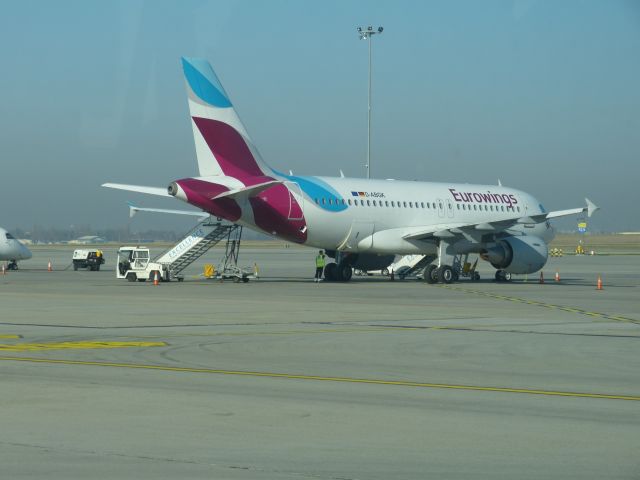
541	94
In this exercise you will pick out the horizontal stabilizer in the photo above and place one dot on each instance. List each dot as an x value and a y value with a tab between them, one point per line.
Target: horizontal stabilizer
133	210
162	192
251	191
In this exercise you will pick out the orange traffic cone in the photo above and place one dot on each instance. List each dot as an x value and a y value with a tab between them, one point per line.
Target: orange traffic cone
599	287
557	276
49	267
541	277
156	281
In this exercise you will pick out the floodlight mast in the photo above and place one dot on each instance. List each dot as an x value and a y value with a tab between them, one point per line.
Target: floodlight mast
367	34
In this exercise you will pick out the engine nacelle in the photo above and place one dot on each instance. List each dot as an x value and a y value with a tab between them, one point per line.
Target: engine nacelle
525	254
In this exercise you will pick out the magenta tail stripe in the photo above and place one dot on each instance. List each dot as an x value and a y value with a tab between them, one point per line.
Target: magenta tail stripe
229	148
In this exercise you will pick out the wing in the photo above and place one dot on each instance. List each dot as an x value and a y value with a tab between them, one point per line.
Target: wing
448	230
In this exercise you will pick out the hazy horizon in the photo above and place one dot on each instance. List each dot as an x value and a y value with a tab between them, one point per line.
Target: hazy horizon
542	95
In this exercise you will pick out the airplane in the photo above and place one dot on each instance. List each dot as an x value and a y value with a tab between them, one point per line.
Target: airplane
12	250
360	223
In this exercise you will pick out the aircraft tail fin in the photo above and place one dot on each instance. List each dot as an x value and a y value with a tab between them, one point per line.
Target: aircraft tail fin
223	146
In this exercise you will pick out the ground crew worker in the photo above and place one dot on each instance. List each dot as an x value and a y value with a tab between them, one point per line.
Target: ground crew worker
319	266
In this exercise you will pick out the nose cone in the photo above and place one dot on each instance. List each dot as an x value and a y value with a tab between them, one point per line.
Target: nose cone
25	253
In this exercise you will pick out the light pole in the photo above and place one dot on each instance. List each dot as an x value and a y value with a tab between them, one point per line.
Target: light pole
366	34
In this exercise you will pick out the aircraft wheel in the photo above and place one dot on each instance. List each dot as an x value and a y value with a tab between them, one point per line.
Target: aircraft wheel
345	272
502	276
330	272
430	274
445	274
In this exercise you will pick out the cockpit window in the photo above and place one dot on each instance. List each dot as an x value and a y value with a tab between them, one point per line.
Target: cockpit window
10	237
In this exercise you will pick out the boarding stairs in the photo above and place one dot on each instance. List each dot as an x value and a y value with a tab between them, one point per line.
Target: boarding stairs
199	241
410	265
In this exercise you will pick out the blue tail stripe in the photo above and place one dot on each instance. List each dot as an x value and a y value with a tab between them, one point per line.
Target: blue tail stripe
204	82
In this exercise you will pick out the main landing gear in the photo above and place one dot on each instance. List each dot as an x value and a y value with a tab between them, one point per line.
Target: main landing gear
338	272
446	274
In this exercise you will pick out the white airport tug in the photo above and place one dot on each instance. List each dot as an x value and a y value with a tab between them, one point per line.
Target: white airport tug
134	264
89	259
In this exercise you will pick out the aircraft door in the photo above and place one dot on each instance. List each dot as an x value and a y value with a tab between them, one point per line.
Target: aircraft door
449	205
296	201
440	206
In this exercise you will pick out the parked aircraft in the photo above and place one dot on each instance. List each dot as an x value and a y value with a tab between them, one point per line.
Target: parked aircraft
12	250
361	223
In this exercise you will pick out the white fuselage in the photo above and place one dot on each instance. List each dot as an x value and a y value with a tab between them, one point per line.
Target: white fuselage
384	210
11	249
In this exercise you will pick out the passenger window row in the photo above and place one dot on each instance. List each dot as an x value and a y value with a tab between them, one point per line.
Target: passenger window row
403	204
492	208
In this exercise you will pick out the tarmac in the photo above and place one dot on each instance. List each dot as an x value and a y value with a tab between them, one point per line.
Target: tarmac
284	378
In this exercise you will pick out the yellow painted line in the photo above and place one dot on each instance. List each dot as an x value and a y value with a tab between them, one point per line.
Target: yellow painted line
617	318
369	381
29	347
10	337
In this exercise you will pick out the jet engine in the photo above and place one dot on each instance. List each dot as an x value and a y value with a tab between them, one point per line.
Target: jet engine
525	254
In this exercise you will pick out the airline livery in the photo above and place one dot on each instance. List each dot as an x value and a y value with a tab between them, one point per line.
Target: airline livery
361	223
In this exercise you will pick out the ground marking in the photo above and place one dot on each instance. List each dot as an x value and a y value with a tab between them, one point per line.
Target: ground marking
401	383
617	318
29	347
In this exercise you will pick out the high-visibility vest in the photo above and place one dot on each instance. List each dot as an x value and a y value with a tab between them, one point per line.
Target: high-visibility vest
320	261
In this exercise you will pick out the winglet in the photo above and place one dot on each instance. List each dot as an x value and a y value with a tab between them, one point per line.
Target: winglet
132	209
591	207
